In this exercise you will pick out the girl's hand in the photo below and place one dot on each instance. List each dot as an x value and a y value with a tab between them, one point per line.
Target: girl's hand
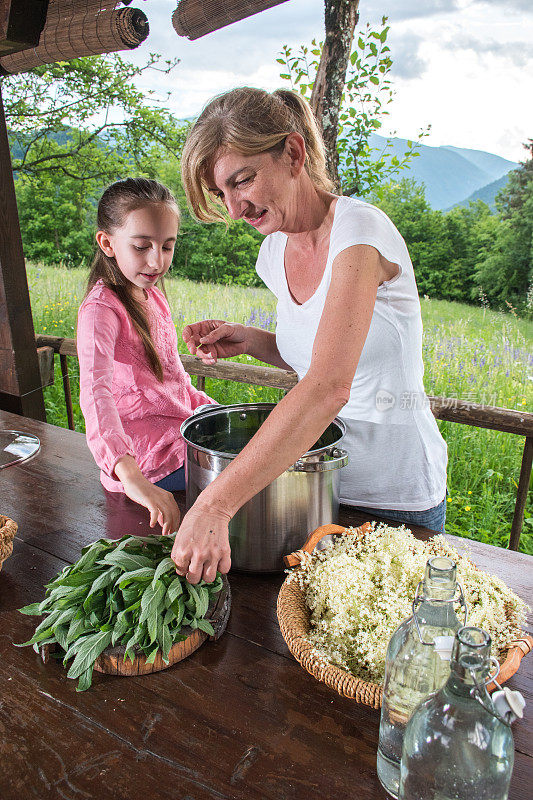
160	503
201	547
213	338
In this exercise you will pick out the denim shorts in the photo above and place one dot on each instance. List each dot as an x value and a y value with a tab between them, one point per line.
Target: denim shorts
434	518
175	482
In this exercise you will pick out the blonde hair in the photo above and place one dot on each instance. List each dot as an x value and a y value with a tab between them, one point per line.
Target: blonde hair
249	121
117	201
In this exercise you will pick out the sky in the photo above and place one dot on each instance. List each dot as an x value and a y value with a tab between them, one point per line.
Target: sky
465	67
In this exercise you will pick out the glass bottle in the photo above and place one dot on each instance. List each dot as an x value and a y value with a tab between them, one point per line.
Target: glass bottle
415	667
457	746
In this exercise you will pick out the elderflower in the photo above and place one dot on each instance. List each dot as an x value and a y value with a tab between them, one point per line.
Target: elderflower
360	588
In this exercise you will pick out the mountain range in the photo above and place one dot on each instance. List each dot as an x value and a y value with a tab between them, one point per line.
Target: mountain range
453	175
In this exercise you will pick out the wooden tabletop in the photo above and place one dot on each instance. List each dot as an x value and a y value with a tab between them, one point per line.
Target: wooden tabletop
239	719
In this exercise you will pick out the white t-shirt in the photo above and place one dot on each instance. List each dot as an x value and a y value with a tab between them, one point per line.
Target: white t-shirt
397	456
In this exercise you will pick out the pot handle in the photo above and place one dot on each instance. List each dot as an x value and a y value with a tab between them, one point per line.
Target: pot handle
294	559
337	458
199	409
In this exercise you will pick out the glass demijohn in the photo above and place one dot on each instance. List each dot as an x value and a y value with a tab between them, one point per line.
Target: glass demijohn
457	746
415	666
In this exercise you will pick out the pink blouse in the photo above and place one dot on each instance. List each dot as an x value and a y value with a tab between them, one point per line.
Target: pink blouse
126	409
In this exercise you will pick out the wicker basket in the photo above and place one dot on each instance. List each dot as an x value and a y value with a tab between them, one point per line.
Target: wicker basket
8	529
295	623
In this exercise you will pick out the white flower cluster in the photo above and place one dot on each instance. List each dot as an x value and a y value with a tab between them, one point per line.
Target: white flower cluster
360	588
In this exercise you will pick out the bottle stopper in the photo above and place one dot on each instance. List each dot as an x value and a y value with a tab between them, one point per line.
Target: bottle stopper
509	704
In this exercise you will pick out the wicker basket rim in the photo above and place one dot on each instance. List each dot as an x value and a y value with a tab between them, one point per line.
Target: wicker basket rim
294	621
8	528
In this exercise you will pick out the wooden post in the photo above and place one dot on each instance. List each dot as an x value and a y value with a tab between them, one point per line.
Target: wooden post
45	356
21	23
20	379
66	389
340	18
521	496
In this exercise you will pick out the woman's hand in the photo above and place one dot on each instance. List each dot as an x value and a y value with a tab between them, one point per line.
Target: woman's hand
201	547
213	338
160	503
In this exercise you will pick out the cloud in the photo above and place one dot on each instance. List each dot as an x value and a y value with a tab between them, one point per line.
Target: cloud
407	62
519	53
465	53
240	48
399	10
516	5
241	54
415	9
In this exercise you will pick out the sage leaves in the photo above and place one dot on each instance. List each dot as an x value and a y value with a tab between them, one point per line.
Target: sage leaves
123	592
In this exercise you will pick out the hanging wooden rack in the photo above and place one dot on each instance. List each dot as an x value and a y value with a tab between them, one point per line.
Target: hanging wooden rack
195	18
77	28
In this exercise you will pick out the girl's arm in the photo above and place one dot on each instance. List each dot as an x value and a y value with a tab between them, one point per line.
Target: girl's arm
98	330
201	545
160	503
212	339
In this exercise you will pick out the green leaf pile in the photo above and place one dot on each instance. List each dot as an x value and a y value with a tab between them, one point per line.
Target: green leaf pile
123	592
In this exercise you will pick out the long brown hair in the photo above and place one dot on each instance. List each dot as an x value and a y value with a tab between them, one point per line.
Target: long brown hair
116	203
249	121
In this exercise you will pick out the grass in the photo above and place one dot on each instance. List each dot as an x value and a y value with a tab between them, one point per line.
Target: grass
470	353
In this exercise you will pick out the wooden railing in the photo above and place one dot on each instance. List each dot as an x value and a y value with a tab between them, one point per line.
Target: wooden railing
450	409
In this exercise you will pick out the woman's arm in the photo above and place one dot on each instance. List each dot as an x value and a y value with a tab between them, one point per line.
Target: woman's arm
295	423
212	339
262	345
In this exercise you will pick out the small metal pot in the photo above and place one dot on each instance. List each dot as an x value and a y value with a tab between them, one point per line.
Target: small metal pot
278	519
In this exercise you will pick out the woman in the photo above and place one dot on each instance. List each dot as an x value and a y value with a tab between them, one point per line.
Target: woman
348	322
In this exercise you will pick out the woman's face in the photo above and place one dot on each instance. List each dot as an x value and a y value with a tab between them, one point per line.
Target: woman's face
261	189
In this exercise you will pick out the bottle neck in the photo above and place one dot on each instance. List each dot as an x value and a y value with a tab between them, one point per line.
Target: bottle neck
463	685
470	664
434	599
440	579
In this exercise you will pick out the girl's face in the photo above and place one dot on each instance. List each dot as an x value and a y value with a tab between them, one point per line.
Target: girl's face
262	189
143	247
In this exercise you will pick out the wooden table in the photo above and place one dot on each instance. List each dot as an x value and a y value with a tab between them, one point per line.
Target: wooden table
239	719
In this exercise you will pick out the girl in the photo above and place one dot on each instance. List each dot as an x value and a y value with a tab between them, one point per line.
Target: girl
134	392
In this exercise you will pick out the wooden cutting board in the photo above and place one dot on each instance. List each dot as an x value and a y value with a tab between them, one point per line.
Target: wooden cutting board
111	661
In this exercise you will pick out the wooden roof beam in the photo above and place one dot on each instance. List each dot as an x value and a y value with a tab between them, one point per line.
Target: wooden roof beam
21	23
195	18
78	28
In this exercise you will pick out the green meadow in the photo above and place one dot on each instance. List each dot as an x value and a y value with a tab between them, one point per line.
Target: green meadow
470	353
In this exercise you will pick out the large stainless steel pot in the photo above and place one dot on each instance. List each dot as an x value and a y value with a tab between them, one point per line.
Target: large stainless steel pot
277	520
